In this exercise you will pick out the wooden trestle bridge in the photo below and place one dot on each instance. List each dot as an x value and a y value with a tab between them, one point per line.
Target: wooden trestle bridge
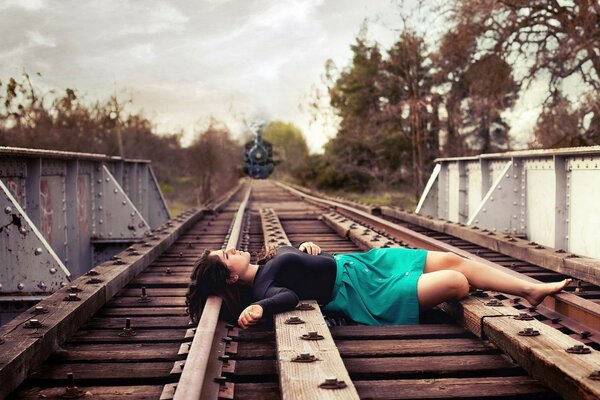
120	330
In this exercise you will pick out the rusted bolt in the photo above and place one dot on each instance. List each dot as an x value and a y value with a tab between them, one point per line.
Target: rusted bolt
529	332
294	320
33	324
39	310
74	289
516	300
585	334
494	303
71	391
579	349
180	254
523	317
144	297
304	307
189	245
119	262
304	358
595	375
93	281
227	339
168	271
72	297
128	330
555	320
312	335
479	293
92	272
332	383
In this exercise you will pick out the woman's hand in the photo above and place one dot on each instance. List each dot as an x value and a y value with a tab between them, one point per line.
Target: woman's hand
310	248
250	316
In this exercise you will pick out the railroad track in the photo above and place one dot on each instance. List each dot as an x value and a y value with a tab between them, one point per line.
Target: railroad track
167	358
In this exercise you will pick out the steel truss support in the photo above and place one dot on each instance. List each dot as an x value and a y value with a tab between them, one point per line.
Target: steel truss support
29	265
84	207
546	196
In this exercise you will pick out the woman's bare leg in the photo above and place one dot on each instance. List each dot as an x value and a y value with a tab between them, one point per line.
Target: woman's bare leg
484	277
436	287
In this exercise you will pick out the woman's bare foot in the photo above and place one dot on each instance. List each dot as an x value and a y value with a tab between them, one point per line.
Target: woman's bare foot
541	290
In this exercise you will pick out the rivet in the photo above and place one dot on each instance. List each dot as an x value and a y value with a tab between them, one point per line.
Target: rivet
595	375
7	210
312	335
74	289
579	349
304	307
529	332
20	286
72	297
332	383
37	251
32	324
294	320
523	317
305	358
39	310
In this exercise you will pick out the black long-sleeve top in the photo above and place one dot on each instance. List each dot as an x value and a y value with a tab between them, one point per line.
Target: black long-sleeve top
292	275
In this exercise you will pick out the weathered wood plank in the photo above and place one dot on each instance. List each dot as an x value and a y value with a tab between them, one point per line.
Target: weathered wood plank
350	348
140	311
149	392
142	335
454	388
116	352
88	373
155	302
399	332
302	380
257	391
396	367
138	322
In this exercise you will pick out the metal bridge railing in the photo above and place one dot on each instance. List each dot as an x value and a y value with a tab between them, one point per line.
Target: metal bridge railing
64	212
547	196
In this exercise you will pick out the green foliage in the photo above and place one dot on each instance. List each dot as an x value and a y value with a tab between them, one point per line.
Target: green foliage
290	151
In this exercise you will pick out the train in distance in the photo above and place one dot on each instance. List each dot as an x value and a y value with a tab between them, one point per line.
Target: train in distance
258	157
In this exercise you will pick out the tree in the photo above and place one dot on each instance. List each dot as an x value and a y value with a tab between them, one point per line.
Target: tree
550	41
406	83
289	148
215	160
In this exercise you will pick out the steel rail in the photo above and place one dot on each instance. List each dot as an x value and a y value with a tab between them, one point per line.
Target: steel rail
584	311
193	379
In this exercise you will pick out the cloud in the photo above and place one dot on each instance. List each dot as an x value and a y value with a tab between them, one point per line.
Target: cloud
184	61
30	5
37	39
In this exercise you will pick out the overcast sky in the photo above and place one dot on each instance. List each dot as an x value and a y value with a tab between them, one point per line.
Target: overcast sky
184	61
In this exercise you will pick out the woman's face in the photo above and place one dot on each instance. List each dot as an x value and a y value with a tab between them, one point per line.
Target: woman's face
237	262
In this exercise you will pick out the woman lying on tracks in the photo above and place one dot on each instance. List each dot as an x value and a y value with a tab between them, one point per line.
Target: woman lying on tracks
379	287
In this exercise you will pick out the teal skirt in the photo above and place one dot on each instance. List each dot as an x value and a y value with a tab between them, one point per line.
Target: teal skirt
378	287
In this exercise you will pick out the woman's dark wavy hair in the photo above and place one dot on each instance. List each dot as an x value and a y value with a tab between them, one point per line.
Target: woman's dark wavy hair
209	278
